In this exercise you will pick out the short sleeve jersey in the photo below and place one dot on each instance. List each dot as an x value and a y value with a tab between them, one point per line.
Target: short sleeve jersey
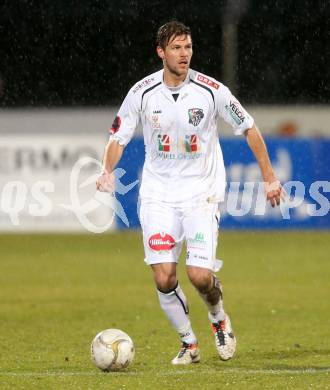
183	158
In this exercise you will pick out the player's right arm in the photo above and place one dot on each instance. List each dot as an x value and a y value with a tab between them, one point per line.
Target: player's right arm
112	154
121	132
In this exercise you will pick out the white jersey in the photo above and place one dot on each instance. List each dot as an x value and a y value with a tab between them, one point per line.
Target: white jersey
183	158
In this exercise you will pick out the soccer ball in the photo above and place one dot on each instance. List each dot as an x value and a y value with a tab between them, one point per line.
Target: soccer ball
112	350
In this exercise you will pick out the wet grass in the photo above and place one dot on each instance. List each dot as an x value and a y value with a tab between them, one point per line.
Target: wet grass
58	291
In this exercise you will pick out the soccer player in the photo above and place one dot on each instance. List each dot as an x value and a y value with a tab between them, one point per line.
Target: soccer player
183	180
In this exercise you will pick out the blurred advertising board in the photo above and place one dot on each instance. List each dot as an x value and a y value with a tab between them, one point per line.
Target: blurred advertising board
47	183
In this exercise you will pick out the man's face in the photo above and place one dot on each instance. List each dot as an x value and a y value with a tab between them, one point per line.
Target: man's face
177	55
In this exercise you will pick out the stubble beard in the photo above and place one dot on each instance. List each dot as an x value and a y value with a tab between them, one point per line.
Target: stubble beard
176	72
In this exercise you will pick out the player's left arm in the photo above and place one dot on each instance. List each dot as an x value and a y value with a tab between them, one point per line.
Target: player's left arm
230	109
274	191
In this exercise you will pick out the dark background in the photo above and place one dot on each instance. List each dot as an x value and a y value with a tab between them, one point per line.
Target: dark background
55	53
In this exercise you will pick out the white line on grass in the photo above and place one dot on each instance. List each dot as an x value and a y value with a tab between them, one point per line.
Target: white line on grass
295	371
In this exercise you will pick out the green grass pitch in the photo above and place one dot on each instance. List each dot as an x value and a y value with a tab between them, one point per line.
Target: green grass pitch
58	291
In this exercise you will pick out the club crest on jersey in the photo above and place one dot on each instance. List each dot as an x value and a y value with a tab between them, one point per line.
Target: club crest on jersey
195	116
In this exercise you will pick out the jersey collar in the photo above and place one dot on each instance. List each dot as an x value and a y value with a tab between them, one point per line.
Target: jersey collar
168	91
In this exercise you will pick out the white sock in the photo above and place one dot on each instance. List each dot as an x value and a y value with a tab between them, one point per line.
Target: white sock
214	301
174	304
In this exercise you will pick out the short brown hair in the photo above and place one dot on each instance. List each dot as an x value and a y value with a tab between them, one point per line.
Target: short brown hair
169	30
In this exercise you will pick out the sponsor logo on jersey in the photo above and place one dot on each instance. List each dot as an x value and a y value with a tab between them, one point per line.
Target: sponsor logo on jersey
195	116
191	144
164	144
207	81
157	111
160	242
236	112
155	122
143	84
116	125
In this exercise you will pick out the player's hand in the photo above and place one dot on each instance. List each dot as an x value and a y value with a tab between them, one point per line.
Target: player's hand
275	192
106	182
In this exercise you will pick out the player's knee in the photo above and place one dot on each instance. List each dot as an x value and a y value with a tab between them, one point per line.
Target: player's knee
201	278
165	282
165	276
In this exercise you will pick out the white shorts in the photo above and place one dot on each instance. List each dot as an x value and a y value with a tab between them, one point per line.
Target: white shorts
165	228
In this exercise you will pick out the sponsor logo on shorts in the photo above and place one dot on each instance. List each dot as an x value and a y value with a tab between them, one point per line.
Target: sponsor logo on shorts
196	256
160	242
195	116
197	242
235	111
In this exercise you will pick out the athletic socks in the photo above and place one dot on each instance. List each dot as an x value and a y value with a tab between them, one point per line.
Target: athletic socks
214	301
174	304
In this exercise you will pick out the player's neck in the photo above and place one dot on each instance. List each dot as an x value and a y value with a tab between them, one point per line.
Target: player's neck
173	80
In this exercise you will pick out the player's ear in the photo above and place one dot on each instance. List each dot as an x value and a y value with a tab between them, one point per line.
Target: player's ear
160	52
